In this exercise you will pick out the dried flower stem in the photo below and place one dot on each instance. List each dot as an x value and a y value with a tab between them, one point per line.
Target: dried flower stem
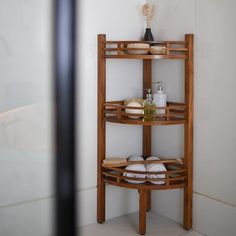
148	12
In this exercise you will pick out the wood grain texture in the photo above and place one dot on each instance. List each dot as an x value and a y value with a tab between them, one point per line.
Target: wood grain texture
101	132
147	57
146	186
142	211
175	121
151	42
180	176
147	130
188	153
122	162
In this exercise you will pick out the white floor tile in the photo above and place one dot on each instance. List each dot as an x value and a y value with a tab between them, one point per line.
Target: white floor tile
128	225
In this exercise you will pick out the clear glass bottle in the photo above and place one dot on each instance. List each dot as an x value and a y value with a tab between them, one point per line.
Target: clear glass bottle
149	107
159	98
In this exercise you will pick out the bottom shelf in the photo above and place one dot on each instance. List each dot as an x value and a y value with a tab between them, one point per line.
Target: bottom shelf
174	177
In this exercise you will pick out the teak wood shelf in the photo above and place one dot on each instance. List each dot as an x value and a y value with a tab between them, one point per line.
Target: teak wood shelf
178	175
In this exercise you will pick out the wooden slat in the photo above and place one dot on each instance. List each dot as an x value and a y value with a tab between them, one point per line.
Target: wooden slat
166	180
120	170
180	106
118	112
147	57
146	186
163	161
152	42
129	121
101	128
188	191
143	49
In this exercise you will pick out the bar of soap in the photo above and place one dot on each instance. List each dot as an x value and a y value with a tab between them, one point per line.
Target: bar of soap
134	111
114	161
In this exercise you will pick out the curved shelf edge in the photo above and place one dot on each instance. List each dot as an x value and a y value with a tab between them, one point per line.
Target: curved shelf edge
147	57
145	123
116	112
146	186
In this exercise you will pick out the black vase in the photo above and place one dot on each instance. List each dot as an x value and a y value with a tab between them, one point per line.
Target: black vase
148	35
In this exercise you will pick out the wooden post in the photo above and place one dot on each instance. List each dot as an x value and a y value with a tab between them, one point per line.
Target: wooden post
147	130
188	154
142	211
101	148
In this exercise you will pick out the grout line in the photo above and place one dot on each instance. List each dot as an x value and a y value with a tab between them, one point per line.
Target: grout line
187	232
25	202
85	189
215	199
40	199
165	217
94	187
201	233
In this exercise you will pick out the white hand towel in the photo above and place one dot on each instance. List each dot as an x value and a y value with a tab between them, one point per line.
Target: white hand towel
155	167
135	158
136	167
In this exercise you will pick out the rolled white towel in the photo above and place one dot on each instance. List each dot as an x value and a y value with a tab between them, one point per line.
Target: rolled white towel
135	158
155	167
136	167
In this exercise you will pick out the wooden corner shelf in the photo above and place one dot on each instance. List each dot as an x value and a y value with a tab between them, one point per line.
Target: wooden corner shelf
176	176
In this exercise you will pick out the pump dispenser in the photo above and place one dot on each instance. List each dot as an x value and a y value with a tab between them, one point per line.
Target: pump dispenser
149	107
159	98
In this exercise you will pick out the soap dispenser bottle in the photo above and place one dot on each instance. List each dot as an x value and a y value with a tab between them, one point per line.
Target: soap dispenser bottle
159	98
149	107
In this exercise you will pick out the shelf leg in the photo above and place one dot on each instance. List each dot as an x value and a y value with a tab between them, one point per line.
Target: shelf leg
187	208
101	138
147	130
148	205
101	197
188	156
142	211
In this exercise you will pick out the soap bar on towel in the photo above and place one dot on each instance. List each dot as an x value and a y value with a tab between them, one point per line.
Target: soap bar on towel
155	167
136	167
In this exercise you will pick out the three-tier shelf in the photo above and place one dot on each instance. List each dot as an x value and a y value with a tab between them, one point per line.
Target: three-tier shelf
179	172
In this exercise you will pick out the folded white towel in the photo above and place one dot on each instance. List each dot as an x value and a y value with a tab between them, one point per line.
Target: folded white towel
138	167
155	167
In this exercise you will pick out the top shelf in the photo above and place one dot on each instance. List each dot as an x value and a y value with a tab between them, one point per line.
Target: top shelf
121	50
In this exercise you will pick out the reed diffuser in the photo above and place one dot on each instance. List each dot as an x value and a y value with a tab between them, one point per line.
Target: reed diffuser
148	12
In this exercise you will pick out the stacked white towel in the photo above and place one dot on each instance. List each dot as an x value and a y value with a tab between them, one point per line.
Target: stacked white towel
155	167
136	167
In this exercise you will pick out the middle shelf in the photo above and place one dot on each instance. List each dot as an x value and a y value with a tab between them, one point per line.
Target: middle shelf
118	112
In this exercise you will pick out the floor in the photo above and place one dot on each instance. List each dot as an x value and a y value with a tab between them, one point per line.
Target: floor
127	226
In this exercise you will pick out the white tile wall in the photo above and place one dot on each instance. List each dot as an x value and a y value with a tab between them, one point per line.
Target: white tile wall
118	202
25	118
214	135
213	218
31	218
